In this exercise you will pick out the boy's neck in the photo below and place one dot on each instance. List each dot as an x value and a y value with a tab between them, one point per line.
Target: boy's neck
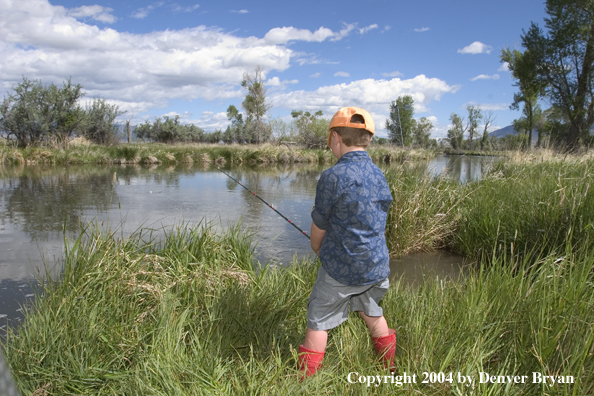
343	149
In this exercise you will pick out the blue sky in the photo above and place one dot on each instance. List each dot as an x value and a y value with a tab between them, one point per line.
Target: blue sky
188	57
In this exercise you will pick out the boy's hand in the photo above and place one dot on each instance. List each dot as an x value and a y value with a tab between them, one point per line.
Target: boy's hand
317	235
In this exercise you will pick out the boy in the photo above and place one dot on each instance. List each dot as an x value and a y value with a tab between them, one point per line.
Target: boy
347	233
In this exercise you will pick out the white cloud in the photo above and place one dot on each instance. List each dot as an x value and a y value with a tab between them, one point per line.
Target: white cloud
421	30
476	48
310	59
285	34
137	71
504	67
316	75
341	74
372	95
179	8
392	74
485	77
240	11
276	82
142	13
96	12
367	28
488	106
346	29
386	28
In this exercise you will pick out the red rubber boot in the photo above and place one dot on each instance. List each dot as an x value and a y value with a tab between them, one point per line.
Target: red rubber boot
386	348
309	361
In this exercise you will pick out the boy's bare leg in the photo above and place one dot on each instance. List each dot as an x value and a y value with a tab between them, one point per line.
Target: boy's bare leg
316	340
377	325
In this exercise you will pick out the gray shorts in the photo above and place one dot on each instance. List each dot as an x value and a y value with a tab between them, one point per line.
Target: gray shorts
329	301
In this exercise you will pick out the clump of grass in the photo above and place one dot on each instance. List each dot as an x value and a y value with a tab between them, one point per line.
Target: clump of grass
539	205
423	214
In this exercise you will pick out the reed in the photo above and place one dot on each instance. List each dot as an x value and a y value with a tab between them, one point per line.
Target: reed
424	210
189	314
533	206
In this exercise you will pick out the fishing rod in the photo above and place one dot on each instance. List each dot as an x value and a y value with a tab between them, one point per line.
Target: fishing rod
260	198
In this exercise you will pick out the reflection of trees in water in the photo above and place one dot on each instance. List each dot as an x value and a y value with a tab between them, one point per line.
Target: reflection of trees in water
274	184
42	201
466	168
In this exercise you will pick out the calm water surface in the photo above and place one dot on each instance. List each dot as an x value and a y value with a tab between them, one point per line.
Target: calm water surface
38	205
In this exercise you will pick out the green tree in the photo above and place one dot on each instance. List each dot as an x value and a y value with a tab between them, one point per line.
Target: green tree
282	131
255	105
456	131
311	129
474	116
99	125
236	132
170	130
523	69
422	132
485	141
400	122
564	61
33	114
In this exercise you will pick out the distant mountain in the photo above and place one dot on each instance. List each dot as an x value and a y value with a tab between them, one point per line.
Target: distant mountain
510	129
503	132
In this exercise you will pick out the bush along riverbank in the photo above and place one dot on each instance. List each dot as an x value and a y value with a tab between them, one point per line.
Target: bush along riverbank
189	315
155	153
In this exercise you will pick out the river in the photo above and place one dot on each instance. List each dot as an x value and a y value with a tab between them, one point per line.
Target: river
40	205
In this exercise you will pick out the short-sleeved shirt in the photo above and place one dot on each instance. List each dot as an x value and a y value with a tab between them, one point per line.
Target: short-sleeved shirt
352	201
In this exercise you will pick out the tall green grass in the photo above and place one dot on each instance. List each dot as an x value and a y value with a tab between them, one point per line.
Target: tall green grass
538	206
424	210
189	315
514	209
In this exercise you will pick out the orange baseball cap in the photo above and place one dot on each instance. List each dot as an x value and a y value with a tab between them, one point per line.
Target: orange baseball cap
342	118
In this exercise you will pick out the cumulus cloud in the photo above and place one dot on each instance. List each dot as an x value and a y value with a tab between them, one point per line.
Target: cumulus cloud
504	67
285	34
139	71
392	74
485	77
421	30
96	12
276	82
316	75
476	48
372	95
341	74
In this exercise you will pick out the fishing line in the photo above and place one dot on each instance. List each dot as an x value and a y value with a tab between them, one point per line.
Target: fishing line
260	198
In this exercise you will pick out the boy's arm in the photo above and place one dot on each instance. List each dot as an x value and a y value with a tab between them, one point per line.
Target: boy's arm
317	235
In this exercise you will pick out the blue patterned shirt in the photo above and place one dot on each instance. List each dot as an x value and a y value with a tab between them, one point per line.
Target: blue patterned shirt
352	201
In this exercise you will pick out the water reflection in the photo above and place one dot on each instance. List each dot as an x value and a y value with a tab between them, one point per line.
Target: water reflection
42	201
461	167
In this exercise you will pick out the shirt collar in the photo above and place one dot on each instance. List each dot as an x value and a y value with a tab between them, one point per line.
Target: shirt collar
353	156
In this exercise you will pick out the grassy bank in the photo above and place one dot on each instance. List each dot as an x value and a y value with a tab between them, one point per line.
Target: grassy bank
520	205
187	315
155	153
